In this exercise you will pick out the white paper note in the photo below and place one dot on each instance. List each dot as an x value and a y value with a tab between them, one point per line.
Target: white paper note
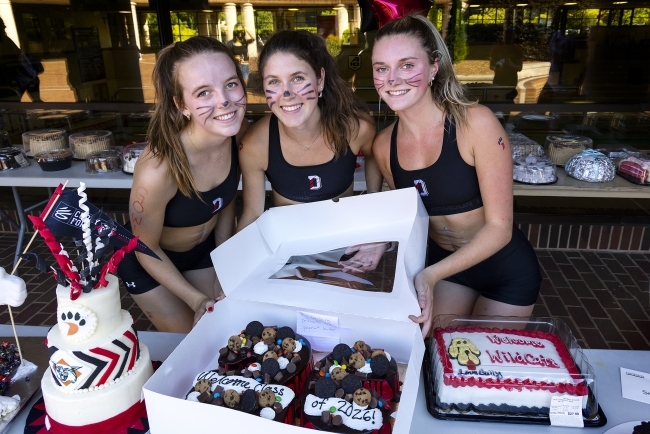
322	331
635	385
566	411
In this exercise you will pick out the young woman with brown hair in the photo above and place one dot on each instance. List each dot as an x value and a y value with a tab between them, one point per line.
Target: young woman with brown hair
458	157
307	146
181	202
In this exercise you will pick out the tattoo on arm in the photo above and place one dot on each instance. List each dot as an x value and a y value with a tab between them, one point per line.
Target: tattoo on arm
502	143
138	206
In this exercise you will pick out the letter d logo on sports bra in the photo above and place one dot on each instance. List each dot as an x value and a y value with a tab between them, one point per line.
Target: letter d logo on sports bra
217	204
314	182
421	186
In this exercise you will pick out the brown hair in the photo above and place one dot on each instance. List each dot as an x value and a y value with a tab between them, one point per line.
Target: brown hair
340	108
167	120
446	90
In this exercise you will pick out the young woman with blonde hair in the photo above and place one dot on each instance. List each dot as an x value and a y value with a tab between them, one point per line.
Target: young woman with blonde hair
458	157
182	200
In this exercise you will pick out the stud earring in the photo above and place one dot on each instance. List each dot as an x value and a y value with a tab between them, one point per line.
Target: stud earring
188	116
431	82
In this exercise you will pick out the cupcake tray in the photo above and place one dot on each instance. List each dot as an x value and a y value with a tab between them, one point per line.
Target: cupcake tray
536	183
471	416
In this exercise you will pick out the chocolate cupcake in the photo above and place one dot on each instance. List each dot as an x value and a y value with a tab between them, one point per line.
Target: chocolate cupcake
351	390
262	357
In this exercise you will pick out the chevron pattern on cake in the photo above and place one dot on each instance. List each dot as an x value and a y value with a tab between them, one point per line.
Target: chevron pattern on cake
97	366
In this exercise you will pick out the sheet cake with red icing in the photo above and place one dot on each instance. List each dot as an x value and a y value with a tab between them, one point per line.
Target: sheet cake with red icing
497	370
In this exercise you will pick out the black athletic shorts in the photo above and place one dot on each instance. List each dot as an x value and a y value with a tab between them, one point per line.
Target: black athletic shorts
510	276
138	281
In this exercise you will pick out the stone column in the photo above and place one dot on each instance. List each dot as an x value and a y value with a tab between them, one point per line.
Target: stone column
204	24
230	11
136	27
342	23
145	33
248	20
7	15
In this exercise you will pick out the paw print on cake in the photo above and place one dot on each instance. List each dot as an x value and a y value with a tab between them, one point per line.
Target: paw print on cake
465	352
76	322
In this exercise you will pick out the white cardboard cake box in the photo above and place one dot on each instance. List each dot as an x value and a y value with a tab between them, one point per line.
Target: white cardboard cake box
244	264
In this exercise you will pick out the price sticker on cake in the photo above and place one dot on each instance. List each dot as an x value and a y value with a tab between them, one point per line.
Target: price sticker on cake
566	411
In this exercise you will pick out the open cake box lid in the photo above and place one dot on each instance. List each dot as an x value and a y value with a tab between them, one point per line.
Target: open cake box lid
246	262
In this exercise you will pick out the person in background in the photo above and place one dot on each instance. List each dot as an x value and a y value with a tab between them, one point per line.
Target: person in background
18	72
307	146
182	200
457	155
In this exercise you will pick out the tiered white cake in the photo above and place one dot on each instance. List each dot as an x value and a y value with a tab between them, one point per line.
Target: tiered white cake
97	364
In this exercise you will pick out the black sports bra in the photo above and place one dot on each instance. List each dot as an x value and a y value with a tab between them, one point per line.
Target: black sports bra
307	183
183	211
448	186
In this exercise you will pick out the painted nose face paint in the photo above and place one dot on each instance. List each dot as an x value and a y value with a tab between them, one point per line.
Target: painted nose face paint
225	103
286	94
391	81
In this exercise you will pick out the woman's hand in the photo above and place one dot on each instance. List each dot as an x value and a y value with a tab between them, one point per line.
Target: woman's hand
205	305
425	281
366	257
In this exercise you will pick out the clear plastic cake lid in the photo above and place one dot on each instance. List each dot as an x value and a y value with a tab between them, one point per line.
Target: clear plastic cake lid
37	141
506	369
53	155
133	150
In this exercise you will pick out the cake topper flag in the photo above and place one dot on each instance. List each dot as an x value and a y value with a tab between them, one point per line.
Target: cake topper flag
65	221
68	213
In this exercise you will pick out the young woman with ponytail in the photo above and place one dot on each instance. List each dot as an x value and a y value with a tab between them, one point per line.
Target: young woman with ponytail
182	200
458	157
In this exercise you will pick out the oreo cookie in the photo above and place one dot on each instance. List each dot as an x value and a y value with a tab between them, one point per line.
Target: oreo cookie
325	388
271	367
285	332
249	401
351	383
254	328
340	352
379	365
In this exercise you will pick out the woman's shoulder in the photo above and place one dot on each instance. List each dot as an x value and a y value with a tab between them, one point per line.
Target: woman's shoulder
479	116
151	170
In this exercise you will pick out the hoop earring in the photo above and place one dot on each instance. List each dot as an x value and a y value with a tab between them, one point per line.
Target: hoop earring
320	93
431	82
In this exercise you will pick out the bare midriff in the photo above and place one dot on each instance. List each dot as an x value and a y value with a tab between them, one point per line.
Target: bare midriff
451	232
184	239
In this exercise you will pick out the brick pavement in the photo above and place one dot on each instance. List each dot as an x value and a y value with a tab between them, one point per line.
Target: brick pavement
604	297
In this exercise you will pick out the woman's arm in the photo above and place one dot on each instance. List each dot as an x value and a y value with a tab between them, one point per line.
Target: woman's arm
493	161
152	190
363	143
253	161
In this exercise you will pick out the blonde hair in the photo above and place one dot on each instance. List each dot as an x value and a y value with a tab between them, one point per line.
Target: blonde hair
447	92
167	120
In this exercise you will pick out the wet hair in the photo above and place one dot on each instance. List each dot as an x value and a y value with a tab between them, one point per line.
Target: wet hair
341	110
447	91
167	120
